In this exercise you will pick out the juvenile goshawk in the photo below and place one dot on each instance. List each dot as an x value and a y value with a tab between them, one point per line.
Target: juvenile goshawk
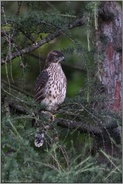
51	85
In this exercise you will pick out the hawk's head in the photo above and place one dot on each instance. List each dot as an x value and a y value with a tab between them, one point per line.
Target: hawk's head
54	56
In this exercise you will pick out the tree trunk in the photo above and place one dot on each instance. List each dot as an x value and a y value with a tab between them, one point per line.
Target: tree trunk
108	43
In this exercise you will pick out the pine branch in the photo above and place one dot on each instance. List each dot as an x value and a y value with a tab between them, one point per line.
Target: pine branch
20	109
100	133
82	126
16	88
47	39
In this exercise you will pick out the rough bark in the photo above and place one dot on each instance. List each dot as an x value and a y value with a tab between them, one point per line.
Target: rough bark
108	42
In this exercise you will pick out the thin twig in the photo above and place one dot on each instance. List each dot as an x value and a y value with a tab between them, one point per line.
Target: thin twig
6	105
16	88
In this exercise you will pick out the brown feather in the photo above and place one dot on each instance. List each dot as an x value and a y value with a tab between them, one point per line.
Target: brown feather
40	86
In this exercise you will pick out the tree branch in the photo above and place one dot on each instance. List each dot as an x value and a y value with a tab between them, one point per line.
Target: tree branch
80	126
51	36
100	131
16	88
18	107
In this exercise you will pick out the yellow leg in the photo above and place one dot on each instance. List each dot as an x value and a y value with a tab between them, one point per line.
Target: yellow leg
49	116
52	118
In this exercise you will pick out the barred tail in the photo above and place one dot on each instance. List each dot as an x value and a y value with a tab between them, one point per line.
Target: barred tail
40	136
39	139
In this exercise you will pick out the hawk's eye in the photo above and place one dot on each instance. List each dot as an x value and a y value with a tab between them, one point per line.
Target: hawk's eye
56	58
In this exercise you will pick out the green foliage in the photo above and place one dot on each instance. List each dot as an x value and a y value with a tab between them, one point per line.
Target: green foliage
23	163
67	159
33	22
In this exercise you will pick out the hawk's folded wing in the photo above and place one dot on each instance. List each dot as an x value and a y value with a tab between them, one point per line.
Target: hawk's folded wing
40	86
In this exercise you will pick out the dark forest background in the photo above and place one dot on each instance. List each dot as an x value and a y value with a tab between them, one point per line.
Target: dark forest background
83	143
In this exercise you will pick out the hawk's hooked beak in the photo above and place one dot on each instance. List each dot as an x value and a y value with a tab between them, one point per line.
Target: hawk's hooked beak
61	59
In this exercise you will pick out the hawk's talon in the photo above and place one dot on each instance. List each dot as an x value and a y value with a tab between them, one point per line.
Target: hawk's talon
52	118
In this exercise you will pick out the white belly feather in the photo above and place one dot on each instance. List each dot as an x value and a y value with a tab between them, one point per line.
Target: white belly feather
55	91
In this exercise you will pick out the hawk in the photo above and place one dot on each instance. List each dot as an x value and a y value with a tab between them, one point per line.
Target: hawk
51	85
